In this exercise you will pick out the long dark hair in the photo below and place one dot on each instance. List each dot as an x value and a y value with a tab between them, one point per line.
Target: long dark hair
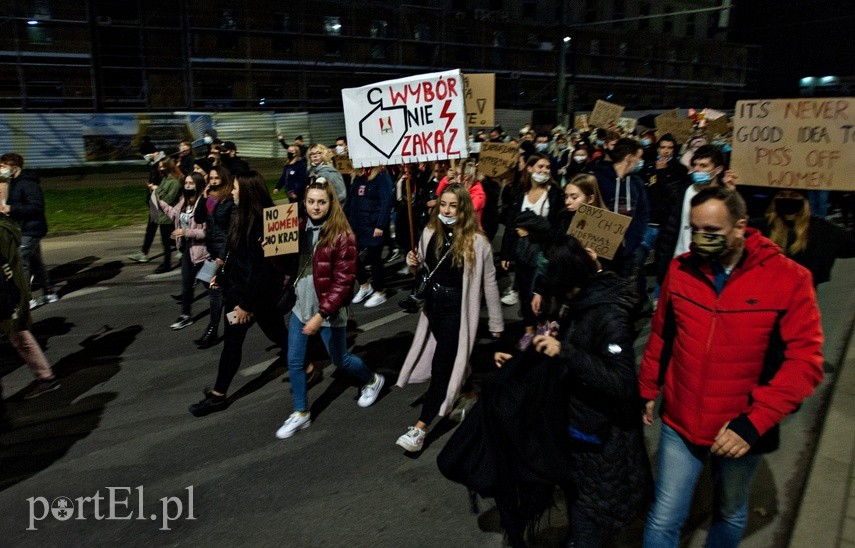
199	184
253	197
226	183
570	267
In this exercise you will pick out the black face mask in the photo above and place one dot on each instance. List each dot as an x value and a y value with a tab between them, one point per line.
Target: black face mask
788	206
290	155
189	192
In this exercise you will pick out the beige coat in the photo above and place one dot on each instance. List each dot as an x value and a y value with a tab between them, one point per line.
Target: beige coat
477	278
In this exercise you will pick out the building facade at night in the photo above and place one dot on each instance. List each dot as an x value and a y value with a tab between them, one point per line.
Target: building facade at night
155	55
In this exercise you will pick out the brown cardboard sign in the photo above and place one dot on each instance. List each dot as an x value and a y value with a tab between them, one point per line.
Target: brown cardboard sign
281	230
804	143
605	114
600	229
479	96
497	159
342	164
680	128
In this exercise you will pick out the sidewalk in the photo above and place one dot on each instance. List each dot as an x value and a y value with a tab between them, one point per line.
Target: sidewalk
826	514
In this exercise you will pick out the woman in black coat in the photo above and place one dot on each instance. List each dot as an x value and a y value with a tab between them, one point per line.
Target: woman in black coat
251	287
563	413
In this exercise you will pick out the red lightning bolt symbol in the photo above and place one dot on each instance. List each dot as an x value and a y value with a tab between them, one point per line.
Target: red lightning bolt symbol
449	116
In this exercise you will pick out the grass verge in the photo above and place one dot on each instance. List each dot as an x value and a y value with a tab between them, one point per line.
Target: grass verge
84	209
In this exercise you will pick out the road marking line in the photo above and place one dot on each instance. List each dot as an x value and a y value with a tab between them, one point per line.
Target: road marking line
383	321
84	291
260	367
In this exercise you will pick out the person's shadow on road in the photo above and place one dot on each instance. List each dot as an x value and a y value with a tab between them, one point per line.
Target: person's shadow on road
44	429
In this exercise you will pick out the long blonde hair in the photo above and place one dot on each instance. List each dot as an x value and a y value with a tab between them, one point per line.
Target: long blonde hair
780	230
465	228
336	222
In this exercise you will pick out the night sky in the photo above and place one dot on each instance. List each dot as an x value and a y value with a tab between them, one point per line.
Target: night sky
799	38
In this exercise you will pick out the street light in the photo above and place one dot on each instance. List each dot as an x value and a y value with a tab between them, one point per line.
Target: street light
562	81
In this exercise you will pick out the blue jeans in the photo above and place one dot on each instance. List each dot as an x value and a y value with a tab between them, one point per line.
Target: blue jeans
680	463
335	340
33	264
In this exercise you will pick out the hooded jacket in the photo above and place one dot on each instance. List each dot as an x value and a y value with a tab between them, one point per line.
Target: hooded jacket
626	196
748	355
332	175
12	270
27	204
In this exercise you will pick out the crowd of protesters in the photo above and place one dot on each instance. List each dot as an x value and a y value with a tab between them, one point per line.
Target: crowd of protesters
566	381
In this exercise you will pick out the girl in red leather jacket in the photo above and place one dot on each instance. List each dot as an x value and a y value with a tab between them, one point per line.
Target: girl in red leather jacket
324	289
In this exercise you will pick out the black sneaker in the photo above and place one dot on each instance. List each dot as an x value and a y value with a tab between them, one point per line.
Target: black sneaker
40	387
162	269
410	304
211	404
209	339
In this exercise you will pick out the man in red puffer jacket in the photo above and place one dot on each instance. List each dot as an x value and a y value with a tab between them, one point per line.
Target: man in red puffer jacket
736	345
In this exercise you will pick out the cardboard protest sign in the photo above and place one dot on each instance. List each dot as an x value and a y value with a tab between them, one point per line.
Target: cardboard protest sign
581	122
718	126
600	229
415	119
342	163
281	230
680	128
480	99
795	143
4	192
497	159
605	114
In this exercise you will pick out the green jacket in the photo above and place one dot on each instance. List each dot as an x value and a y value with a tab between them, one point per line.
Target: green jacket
168	191
10	242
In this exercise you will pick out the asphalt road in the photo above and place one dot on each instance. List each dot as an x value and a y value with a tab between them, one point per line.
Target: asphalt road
119	427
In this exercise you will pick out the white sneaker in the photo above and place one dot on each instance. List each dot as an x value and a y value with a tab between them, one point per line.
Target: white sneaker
35	303
296	421
511	298
376	300
362	294
413	440
50	298
371	390
183	321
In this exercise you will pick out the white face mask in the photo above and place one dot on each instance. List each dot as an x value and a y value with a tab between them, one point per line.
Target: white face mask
447	220
207	139
580	159
540	178
5	173
339	149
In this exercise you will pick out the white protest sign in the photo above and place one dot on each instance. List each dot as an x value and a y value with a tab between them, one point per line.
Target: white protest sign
281	230
416	119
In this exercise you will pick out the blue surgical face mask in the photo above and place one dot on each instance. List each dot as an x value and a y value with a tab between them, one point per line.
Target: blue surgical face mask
447	220
701	177
646	142
638	167
541	147
599	142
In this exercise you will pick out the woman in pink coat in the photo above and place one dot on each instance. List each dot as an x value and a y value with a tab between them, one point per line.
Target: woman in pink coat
461	262
190	240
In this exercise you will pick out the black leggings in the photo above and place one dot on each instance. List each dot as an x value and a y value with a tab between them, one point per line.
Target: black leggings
269	319
373	257
443	312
